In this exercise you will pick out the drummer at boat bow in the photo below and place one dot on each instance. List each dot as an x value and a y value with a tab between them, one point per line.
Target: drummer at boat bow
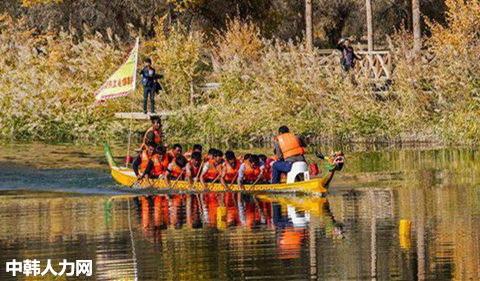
154	133
289	148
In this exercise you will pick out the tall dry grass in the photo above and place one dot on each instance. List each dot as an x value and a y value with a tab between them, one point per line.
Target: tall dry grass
47	84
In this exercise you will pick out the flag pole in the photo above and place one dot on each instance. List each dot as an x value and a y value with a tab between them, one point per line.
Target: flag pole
137	46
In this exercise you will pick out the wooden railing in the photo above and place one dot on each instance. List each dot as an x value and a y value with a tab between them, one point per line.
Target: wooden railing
377	65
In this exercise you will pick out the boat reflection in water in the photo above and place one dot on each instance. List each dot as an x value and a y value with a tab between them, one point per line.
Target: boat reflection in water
287	217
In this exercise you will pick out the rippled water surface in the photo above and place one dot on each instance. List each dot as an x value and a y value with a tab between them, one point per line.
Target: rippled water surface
392	214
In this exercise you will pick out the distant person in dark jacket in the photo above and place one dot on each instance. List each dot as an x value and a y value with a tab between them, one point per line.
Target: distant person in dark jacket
348	54
148	83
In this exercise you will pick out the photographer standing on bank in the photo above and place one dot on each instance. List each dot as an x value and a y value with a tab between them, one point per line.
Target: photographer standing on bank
348	54
148	83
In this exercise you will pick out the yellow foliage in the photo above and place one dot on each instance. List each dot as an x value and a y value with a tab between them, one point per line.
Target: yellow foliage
30	3
240	41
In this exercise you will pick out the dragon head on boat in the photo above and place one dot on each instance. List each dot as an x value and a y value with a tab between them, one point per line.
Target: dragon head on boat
334	161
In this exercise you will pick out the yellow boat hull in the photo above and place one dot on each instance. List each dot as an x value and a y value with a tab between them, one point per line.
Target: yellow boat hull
126	177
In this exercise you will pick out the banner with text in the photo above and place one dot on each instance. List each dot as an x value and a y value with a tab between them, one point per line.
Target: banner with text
122	82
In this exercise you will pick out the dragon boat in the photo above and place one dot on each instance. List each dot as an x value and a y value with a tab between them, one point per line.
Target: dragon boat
297	181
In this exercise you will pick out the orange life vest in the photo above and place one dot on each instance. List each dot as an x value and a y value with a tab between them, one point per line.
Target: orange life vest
168	158
158	167
157	134
230	172
177	172
213	170
289	145
188	154
251	173
145	159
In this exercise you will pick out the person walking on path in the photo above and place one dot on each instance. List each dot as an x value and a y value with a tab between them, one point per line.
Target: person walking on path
148	83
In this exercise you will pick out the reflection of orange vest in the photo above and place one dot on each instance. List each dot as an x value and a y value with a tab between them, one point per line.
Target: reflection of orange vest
158	167
157	134
230	172
145	213
145	159
290	243
251	173
177	172
289	145
157	211
213	170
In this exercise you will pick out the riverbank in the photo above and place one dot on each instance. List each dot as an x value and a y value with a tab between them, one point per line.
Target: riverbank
48	92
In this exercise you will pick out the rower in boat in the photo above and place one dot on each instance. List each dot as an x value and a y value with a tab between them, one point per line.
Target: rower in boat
267	175
251	171
230	169
245	157
158	169
176	170
207	157
289	148
154	133
193	167
212	170
195	148
143	165
172	153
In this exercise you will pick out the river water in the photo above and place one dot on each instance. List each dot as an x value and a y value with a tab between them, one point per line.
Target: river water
410	213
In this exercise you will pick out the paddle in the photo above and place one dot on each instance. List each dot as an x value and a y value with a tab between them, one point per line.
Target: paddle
179	177
137	182
213	182
198	174
233	182
253	185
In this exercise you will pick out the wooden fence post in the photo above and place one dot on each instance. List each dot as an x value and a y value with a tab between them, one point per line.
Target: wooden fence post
308	25
417	33
368	8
